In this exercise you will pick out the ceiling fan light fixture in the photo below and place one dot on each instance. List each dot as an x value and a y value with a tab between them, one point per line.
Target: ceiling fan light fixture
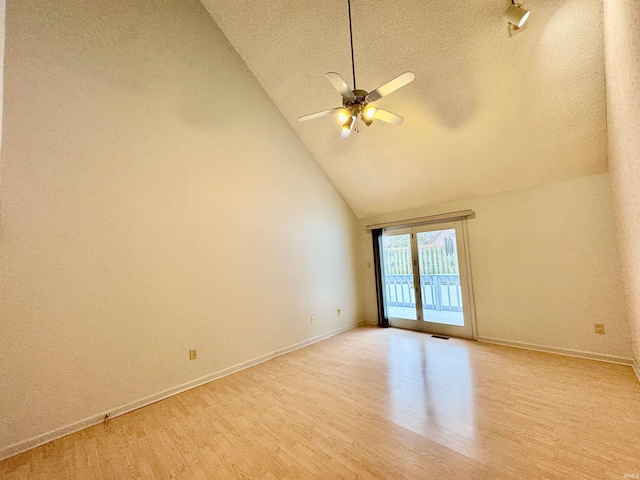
516	15
348	124
343	115
369	112
347	127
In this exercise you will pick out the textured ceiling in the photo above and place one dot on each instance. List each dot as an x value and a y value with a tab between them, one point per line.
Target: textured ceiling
487	112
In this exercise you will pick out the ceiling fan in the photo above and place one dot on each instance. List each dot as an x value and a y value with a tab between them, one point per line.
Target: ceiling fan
356	104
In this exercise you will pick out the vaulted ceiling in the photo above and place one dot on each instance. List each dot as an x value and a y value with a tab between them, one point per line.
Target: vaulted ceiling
487	112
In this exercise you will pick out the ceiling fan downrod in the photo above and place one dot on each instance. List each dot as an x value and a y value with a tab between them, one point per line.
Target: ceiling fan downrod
353	63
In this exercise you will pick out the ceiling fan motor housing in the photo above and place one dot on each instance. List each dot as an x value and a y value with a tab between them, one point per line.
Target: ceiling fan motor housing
357	105
361	99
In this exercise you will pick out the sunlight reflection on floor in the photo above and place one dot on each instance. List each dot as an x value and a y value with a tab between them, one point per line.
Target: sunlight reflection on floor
431	386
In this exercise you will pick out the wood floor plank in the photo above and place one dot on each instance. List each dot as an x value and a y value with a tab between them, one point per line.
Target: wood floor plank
369	404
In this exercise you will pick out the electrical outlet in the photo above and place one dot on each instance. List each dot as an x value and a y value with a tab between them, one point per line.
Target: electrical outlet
313	319
599	327
338	311
193	354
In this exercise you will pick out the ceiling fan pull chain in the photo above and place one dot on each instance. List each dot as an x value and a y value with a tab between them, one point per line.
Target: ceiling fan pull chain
353	63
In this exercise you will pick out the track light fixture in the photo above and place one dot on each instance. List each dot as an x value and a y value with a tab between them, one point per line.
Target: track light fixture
516	15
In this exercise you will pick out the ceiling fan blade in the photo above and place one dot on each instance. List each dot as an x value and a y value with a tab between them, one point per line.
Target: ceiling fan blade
347	131
324	113
340	85
392	86
388	117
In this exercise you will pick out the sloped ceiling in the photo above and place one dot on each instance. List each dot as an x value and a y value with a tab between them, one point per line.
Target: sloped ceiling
487	112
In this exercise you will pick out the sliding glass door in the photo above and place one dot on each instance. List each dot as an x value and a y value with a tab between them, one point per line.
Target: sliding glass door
425	279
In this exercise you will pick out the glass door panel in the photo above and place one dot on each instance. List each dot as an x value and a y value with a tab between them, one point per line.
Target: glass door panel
443	279
440	277
398	275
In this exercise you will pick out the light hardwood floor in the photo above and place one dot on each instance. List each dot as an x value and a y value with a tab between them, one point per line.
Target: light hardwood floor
373	403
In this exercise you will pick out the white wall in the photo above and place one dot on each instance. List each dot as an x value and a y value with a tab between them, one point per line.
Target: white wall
153	200
544	263
622	27
3	5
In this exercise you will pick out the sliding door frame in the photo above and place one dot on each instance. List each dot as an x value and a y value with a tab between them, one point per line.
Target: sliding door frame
471	297
468	301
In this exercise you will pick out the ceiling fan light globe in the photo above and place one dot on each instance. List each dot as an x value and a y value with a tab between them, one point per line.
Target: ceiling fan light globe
369	112
343	115
348	124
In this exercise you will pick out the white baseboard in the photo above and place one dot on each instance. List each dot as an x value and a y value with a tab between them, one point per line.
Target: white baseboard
560	351
64	430
636	369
